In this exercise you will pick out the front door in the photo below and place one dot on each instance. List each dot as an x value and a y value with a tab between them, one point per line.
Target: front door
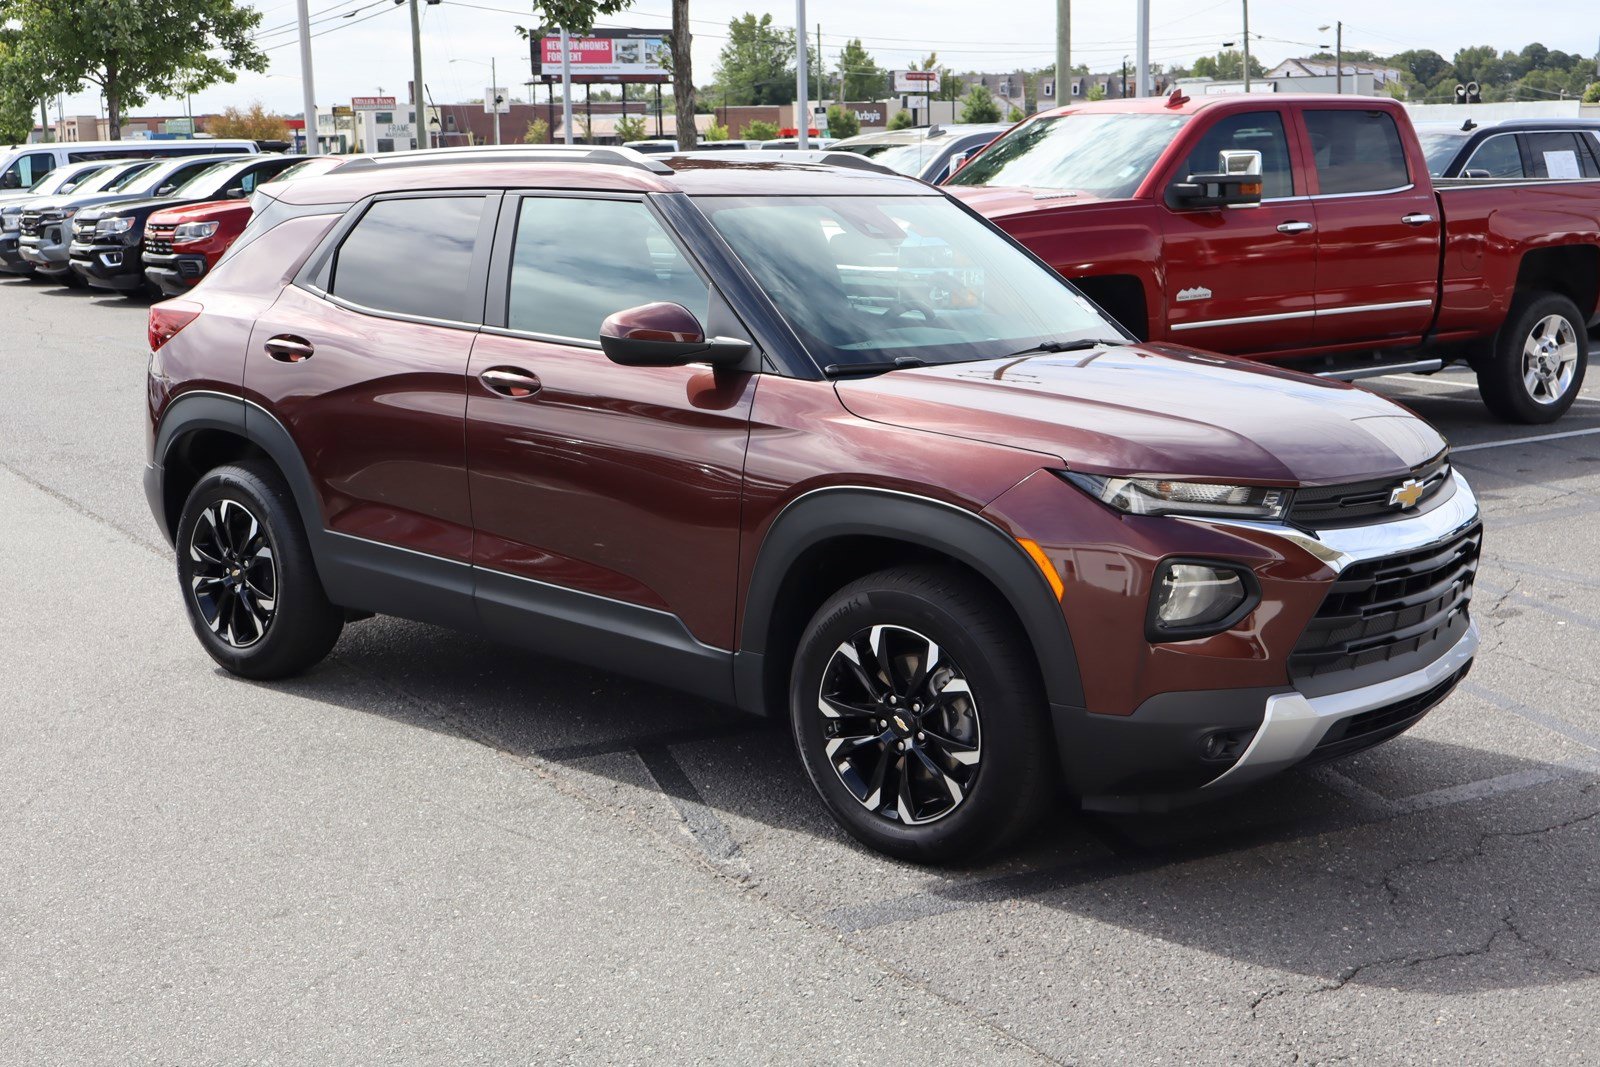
1242	280
1378	230
621	482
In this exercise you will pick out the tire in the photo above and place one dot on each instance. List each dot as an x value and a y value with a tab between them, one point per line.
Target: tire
1537	364
267	617
991	744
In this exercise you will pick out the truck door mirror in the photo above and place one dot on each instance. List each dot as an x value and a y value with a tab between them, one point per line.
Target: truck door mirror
1237	183
664	334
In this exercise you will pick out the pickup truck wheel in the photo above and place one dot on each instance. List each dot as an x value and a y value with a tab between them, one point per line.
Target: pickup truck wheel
247	575
919	715
1539	360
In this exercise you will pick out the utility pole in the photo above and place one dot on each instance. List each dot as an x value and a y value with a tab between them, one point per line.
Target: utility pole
1142	49
494	90
566	88
1063	52
1246	45
419	111
802	57
822	73
1338	57
308	94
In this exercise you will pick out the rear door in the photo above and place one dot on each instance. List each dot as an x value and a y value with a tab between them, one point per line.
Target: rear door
1242	280
364	365
1378	229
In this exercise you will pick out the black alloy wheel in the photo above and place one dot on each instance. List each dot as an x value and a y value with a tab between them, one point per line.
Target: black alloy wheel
233	574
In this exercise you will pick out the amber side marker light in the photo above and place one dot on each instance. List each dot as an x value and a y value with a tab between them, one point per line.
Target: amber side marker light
1031	547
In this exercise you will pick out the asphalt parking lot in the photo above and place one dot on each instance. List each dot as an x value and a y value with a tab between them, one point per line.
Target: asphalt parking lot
435	850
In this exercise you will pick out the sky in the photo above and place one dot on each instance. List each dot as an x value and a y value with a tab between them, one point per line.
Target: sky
371	50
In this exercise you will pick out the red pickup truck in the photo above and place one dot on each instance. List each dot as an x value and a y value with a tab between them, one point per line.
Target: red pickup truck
1306	230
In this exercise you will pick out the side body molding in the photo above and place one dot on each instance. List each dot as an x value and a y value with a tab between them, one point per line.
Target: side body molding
807	523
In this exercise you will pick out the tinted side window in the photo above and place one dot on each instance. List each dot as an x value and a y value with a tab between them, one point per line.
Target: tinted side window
412	257
1356	151
577	261
27	170
1257	131
1496	157
1558	155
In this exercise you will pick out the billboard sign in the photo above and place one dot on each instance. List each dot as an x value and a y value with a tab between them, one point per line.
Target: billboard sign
916	82
606	55
185	125
372	103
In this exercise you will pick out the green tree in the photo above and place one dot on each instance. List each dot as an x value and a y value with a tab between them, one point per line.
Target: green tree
538	132
1481	64
1591	95
1229	66
1423	64
630	128
842	122
20	88
979	105
860	76
756	65
1015	115
901	120
760	130
1096	92
132	50
717	132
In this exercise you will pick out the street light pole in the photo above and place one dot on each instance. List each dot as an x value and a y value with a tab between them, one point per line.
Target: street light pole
419	112
1247	45
566	87
1338	57
308	94
1142	49
1063	52
494	90
802	55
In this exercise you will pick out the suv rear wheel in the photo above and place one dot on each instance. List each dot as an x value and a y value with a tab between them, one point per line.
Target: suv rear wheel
1536	366
920	717
248	578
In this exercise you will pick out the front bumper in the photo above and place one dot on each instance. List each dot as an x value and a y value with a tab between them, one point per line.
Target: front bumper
1180	747
44	256
107	266
176	273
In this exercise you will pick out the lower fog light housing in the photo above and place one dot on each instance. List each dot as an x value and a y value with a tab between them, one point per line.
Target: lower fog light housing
1193	598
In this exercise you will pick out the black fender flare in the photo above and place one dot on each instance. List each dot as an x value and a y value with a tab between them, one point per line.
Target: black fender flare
849	511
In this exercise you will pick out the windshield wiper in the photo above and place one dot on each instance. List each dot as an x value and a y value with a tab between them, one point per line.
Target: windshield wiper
1069	346
834	370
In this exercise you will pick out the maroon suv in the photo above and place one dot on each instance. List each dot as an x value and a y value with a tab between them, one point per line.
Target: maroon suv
815	443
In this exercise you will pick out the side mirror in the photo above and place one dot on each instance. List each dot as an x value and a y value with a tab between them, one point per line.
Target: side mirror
1470	173
665	335
10	180
236	193
959	160
1237	183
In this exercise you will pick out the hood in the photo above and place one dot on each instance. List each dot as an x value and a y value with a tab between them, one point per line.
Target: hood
220	210
135	205
45	203
1160	410
1000	202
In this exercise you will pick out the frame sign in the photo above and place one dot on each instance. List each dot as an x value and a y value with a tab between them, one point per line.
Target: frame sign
605	55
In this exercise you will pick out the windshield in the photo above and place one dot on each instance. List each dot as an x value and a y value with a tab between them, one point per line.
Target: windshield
201	179
1101	154
1441	146
118	182
58	179
869	279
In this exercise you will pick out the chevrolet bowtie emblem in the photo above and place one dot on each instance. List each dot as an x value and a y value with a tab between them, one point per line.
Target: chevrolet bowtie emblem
898	721
1407	493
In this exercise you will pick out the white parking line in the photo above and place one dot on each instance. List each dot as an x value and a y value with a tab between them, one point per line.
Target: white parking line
1526	440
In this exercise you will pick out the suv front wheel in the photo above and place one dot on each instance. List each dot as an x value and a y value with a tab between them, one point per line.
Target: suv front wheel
920	717
248	578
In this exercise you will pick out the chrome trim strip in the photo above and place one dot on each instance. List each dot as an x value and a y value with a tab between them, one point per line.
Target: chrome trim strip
1316	313
1294	723
1352	544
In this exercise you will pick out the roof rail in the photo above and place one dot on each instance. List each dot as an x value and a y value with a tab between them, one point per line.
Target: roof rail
825	157
549	153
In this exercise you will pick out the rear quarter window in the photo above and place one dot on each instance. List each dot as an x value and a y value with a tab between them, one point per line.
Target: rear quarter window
411	256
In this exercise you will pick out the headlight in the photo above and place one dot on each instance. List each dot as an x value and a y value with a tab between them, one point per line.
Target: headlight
1196	598
114	226
1160	496
194	231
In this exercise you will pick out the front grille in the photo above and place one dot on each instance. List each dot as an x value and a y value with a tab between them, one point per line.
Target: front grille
1382	609
156	247
1330	506
158	238
31	221
83	230
1374	727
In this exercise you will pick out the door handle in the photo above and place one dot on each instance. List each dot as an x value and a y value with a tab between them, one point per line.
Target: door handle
1294	227
1418	219
289	349
509	381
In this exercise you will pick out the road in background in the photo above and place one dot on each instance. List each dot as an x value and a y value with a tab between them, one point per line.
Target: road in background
436	849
